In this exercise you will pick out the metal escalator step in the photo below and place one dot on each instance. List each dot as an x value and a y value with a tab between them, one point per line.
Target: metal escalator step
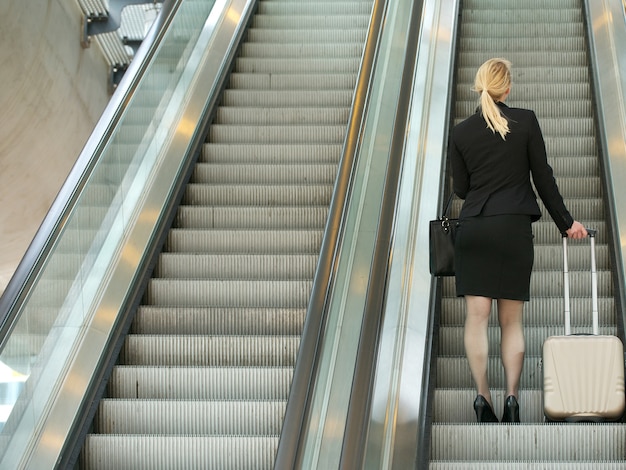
190	417
527	465
535	311
454	372
340	98
124	452
296	81
582	442
522	44
249	241
546	232
456	405
311	21
281	116
547	91
532	73
200	383
550	284
271	153
197	350
249	195
295	36
338	7
582	209
223	293
515	30
298	134
575	166
153	320
580	187
571	145
258	218
451	338
522	14
537	4
527	59
550	257
235	266
543	109
264	174
587	208
310	50
291	66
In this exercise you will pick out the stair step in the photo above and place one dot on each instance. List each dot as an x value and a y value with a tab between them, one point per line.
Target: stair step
270	153
454	372
255	218
536	310
296	134
235	266
197	350
114	452
224	293
579	442
451	338
522	14
456	405
281	116
205	173
190	417
249	241
227	321
556	59
293	65
261	195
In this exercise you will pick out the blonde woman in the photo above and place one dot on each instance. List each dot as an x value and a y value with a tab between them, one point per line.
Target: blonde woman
493	154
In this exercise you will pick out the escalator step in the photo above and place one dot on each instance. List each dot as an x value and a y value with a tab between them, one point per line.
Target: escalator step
191	417
145	452
196	350
252	241
151	320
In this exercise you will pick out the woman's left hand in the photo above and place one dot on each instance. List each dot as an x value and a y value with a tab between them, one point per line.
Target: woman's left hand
577	230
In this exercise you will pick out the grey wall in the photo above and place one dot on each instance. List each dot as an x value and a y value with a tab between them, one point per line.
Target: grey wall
52	93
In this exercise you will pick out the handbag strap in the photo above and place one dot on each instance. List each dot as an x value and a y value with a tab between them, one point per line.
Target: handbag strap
446	211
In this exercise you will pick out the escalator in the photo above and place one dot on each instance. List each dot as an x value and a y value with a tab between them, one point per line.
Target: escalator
203	377
547	44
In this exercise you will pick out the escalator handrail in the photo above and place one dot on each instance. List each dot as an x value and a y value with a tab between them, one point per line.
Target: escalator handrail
355	437
31	263
304	371
606	27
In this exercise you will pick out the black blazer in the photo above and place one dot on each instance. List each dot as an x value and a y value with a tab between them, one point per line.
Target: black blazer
493	175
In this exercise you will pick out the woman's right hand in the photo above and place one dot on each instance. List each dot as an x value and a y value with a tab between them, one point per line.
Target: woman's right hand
577	230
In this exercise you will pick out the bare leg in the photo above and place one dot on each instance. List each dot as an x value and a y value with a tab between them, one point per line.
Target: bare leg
512	342
476	341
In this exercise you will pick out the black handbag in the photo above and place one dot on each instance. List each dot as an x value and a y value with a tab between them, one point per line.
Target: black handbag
441	240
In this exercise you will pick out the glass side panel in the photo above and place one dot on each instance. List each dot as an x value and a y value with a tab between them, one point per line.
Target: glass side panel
59	305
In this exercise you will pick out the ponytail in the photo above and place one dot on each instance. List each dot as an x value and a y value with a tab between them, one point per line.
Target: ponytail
493	79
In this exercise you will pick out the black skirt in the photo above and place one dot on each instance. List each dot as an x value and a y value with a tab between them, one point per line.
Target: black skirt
494	256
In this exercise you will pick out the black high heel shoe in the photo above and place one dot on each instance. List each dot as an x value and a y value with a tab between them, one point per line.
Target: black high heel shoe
484	412
511	410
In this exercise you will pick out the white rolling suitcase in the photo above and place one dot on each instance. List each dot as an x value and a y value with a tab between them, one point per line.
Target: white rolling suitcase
583	375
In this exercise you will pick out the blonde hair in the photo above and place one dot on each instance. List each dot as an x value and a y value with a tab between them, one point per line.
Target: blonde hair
492	81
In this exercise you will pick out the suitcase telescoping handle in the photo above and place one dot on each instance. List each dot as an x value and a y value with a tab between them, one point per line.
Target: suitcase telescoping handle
594	284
